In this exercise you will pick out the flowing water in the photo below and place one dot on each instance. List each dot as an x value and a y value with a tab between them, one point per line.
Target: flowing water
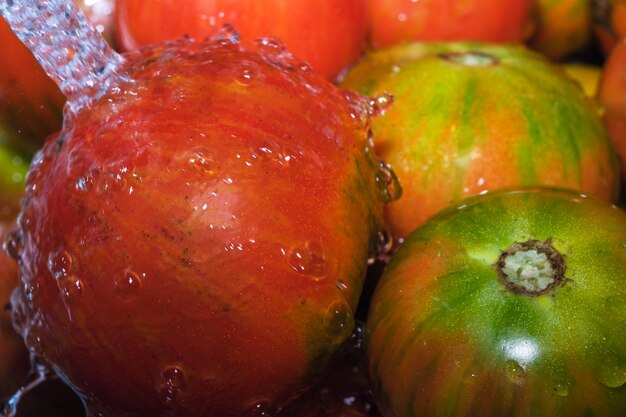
69	49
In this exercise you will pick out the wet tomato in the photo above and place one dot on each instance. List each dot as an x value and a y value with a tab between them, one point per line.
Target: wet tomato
509	304
326	34
396	21
196	242
471	117
612	95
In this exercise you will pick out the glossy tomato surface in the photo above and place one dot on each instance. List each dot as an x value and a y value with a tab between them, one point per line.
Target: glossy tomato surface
448	336
471	117
612	96
196	243
396	21
327	34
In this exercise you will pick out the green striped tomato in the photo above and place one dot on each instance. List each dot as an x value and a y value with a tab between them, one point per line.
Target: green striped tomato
471	117
510	304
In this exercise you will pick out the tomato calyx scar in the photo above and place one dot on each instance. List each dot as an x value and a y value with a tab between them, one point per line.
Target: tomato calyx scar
531	268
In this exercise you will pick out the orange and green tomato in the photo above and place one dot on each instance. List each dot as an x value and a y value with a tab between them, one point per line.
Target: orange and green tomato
564	27
612	96
395	21
509	304
469	118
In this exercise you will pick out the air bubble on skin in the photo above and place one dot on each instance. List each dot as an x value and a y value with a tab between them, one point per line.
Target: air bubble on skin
261	408
310	260
169	394
246	74
72	288
388	183
203	160
338	320
60	264
128	286
382	247
514	372
342	285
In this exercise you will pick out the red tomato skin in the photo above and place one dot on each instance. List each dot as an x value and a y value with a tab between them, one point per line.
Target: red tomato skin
328	34
181	243
396	21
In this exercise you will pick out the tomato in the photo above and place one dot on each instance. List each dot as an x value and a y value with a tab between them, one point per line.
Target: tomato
327	34
196	242
396	21
564	27
609	22
509	304
612	95
471	117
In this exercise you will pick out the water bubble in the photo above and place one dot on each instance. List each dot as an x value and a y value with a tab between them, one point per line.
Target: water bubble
34	343
174	375
113	182
259	409
128	286
379	104
612	373
338	320
30	290
203	160
246	74
514	372
227	35
12	243
60	264
72	288
561	389
382	247
169	394
310	260
388	183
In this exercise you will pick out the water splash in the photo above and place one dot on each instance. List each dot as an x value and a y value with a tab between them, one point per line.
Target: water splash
39	374
69	49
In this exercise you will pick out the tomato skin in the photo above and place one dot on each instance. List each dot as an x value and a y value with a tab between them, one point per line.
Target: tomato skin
195	244
395	21
327	34
446	338
471	117
612	96
564	27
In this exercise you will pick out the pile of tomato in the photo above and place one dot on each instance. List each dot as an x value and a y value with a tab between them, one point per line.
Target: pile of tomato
493	282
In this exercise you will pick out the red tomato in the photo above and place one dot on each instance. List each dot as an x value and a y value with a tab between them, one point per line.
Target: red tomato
327	34
394	21
612	95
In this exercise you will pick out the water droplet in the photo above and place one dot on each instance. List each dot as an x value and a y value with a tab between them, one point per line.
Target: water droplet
338	320
34	343
113	182
381	103
342	285
174	375
514	372
246	74
227	34
12	243
128	286
612	372
203	160
388	183
72	288
60	264
310	260
561	389
382	247
30	290
259	409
